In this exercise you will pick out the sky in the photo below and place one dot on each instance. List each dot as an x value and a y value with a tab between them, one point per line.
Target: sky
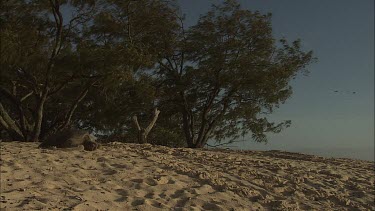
341	35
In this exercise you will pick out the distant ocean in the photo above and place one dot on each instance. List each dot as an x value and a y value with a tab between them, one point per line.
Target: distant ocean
361	153
355	153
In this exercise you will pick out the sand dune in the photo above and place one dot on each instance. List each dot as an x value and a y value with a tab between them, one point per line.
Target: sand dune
144	177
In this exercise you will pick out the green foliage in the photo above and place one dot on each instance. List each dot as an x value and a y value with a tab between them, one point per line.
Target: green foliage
39	60
219	79
231	71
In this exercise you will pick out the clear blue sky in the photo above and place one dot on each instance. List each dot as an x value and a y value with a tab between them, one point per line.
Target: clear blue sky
341	34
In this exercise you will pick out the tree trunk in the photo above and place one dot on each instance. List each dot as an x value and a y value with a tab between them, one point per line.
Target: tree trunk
39	118
55	6
198	143
204	133
143	132
192	140
142	137
188	133
9	124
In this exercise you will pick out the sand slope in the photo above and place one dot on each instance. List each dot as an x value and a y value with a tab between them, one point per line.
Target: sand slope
144	177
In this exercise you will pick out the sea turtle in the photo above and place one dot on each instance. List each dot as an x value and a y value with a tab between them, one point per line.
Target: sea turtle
71	138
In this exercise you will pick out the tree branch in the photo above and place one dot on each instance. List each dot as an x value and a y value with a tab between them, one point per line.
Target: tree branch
26	96
74	106
8	123
28	78
62	85
135	120
23	126
3	123
152	123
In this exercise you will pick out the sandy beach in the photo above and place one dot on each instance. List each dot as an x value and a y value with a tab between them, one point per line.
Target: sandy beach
144	177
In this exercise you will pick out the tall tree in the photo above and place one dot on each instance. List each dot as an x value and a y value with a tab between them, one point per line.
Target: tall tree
124	41
37	49
114	59
227	73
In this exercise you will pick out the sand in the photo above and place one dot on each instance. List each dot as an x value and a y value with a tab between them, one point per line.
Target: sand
145	177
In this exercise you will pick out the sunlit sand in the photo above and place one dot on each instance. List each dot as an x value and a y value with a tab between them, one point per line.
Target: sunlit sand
144	177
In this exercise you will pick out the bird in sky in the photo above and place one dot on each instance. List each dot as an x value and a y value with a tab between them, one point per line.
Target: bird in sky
345	92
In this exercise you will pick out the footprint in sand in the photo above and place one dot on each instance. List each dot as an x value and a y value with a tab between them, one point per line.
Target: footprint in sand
137	202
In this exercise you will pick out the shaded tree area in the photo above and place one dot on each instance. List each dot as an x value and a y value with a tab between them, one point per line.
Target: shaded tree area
39	64
131	71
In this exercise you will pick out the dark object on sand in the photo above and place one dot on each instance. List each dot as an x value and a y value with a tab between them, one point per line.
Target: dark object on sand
71	138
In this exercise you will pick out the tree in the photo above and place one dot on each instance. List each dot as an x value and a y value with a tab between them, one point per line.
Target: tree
116	59
225	74
124	41
39	61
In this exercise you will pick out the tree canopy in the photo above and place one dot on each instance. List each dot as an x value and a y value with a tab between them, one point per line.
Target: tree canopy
99	64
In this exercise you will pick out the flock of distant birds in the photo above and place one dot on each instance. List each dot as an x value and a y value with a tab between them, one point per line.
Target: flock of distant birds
344	92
